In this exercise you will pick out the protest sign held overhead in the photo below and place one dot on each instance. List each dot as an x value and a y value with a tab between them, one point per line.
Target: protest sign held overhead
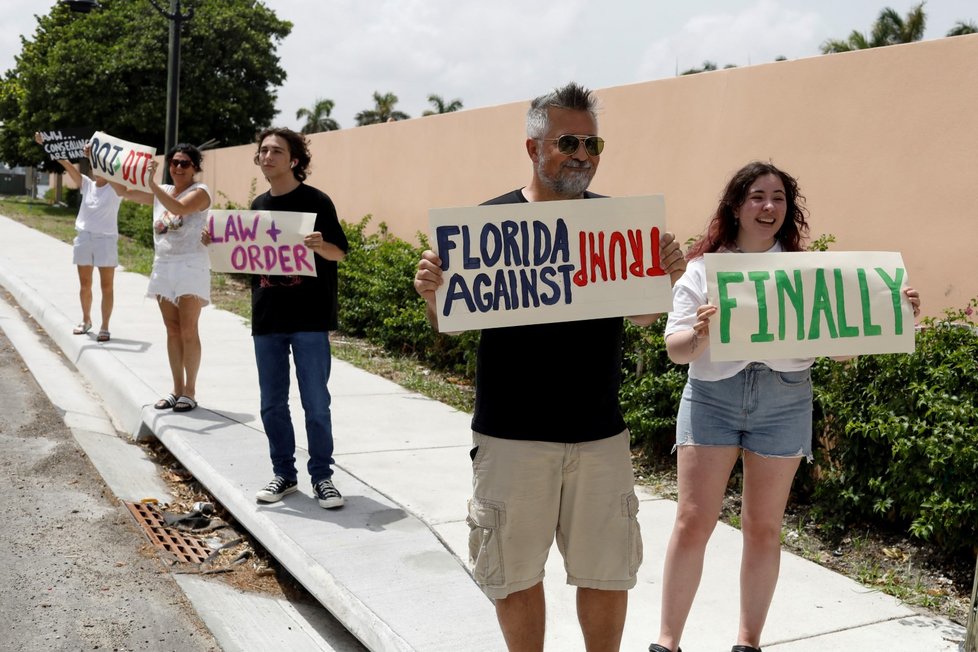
261	242
807	304
539	262
65	144
121	161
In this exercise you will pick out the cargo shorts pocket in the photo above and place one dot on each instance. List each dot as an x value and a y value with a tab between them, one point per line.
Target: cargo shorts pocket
629	509
485	543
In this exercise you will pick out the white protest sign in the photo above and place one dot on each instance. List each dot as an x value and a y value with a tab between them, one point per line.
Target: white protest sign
261	242
807	304
552	261
121	161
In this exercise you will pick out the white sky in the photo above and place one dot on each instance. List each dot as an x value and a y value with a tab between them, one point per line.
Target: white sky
489	53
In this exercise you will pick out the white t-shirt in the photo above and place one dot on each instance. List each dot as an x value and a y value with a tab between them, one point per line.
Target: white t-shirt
99	212
688	295
176	235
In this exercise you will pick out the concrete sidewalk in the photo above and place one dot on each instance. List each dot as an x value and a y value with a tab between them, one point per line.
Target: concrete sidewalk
392	564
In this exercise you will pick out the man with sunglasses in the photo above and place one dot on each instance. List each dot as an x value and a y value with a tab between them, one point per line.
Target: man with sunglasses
550	448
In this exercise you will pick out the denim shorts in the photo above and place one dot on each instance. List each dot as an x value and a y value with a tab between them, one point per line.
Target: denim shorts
763	411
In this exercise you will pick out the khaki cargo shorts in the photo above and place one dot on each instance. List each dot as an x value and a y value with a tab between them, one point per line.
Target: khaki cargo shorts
526	493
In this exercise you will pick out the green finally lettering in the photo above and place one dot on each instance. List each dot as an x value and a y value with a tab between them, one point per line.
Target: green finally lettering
794	294
821	305
762	334
893	284
726	303
845	330
869	328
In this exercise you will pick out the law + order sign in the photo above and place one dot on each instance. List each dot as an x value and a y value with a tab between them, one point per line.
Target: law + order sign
806	304
539	262
261	242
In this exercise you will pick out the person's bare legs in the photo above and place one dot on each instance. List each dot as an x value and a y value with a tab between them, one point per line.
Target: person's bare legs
106	278
85	291
174	343
189	308
703	474
522	617
602	618
767	483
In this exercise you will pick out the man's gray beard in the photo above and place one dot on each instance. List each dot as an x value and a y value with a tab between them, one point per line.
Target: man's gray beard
571	184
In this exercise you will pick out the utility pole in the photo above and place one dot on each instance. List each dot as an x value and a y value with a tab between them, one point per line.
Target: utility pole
172	74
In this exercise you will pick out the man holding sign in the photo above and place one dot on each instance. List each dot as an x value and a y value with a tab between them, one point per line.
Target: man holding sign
760	409
550	447
295	314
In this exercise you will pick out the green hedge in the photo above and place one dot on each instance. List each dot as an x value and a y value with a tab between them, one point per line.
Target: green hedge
896	436
378	301
136	222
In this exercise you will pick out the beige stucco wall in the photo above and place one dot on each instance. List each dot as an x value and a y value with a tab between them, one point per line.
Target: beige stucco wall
884	143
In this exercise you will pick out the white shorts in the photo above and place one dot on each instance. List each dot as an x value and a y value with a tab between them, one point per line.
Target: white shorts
96	249
177	276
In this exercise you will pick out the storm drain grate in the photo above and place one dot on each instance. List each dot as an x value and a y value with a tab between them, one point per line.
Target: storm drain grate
184	547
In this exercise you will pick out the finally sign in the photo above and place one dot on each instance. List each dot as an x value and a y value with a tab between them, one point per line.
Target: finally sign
805	304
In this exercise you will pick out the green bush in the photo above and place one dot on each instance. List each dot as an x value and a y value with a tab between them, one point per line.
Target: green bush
136	222
378	301
651	388
897	436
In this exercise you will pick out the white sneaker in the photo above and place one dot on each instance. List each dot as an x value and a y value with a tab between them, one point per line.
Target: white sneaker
327	494
275	489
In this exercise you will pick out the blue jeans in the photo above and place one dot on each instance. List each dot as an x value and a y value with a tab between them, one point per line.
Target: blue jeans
312	364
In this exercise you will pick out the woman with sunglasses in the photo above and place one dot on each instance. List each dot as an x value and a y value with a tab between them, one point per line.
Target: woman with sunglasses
761	210
180	280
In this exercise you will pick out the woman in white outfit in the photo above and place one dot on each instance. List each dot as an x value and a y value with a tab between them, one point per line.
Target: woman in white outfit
96	244
759	411
181	269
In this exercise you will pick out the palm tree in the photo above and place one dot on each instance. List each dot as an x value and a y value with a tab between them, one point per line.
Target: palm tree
317	118
441	107
383	111
963	27
889	29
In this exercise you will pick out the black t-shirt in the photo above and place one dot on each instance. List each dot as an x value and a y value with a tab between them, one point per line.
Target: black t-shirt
297	304
549	382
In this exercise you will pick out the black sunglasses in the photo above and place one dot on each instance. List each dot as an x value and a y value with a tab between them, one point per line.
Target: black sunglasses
567	144
181	162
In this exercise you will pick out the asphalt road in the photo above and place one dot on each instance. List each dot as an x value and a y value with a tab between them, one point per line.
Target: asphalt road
75	572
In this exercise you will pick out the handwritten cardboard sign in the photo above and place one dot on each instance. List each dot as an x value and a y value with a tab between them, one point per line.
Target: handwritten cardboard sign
121	161
550	261
261	242
807	304
65	144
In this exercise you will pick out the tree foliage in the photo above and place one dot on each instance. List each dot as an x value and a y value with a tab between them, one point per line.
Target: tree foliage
108	69
441	106
963	27
318	117
383	111
889	29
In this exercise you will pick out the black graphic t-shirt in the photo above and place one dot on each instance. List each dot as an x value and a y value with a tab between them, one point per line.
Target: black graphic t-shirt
296	304
549	382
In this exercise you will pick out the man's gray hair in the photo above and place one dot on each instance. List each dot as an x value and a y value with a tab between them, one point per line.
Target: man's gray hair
573	97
